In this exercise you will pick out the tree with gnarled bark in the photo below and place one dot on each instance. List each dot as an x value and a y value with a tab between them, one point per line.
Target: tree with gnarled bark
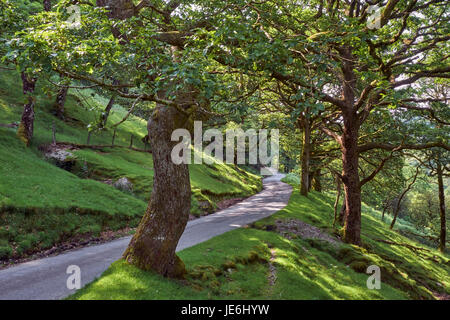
364	71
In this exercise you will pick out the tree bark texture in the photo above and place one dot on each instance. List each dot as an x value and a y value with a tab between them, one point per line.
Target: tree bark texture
26	126
306	153
443	233
350	178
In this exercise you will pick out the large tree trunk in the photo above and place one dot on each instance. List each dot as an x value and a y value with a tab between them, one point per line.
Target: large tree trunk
443	234
154	243
306	153
26	127
153	246
350	178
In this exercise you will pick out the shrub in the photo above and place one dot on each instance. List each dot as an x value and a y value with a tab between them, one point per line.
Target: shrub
5	252
292	179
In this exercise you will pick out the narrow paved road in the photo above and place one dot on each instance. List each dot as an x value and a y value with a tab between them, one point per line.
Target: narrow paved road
45	279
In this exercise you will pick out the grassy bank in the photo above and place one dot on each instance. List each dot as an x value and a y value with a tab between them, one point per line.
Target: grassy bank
42	205
265	262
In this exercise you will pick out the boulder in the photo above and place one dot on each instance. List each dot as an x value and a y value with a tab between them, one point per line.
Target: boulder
60	157
123	184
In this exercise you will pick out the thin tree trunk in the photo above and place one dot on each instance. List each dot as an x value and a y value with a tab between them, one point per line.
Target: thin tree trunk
105	114
395	213
443	233
88	141
60	102
350	178
384	211
131	142
153	246
114	136
26	126
306	153
341	217
338	196
400	199
316	183
47	5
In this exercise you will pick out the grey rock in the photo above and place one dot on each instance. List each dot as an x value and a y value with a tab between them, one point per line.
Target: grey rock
60	157
123	184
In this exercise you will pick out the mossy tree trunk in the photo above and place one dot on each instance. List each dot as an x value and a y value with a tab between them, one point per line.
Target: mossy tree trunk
153	246
26	126
338	196
443	233
306	154
350	178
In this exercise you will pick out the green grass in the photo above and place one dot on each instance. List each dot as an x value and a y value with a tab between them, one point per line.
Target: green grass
292	179
42	205
209	182
236	265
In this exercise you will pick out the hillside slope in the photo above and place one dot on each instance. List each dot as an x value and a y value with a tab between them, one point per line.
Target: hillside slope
294	254
42	205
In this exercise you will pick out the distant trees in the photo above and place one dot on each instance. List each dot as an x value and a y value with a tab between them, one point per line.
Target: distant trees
437	165
398	202
363	71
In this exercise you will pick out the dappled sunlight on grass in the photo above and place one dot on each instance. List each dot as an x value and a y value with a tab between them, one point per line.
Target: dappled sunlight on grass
308	268
303	271
125	282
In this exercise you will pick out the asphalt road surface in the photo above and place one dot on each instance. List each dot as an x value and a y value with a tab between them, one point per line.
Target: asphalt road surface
46	279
